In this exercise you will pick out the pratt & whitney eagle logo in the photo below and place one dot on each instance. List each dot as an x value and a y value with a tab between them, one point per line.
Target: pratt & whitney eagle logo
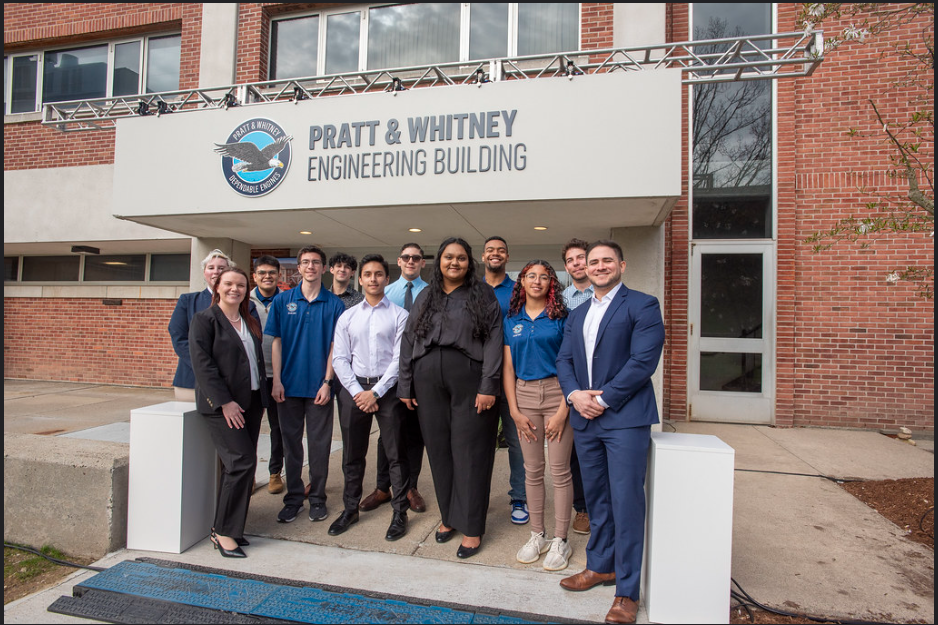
256	157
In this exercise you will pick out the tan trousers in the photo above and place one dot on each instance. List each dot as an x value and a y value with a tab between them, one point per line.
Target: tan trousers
538	400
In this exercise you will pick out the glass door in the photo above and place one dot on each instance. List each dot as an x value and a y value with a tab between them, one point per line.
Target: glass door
731	359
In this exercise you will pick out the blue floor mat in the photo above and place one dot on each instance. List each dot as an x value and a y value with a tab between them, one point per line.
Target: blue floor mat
164	592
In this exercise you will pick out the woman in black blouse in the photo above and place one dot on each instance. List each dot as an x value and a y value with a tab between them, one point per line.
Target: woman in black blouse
451	359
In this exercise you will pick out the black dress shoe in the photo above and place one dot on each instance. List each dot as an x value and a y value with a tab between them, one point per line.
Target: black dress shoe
467	552
398	526
242	542
345	520
442	537
237	552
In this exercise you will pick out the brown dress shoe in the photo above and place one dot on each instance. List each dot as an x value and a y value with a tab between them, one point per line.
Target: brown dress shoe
586	579
581	524
374	500
415	499
623	610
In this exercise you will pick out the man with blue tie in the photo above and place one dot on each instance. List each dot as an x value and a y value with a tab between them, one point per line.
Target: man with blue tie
611	348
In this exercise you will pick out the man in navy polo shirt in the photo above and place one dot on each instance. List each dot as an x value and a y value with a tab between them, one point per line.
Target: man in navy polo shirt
302	322
495	260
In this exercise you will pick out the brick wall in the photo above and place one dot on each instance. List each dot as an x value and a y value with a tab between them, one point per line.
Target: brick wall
82	340
29	145
863	349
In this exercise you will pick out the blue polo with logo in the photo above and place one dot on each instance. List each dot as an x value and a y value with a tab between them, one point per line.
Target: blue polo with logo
503	294
534	344
305	329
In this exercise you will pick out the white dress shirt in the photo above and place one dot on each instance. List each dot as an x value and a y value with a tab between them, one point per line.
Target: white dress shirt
594	317
367	344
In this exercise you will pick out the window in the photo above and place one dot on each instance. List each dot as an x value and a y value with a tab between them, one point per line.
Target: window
94	268
115	268
50	268
145	65
403	35
732	136
169	268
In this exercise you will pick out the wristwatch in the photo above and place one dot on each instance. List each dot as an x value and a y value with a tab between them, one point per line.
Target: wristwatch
376	395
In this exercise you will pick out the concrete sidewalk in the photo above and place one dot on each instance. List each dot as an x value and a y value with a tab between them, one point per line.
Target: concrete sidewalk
800	542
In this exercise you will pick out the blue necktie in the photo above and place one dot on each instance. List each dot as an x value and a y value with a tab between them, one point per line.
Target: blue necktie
408	296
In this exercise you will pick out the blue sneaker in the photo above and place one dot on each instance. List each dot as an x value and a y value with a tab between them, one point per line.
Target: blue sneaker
519	512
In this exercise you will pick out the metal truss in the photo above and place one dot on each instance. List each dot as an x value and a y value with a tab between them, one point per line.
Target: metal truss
733	59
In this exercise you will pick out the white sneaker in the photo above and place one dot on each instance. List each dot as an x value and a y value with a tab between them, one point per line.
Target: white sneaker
559	555
533	549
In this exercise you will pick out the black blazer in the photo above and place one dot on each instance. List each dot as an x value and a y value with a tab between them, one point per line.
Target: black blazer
220	363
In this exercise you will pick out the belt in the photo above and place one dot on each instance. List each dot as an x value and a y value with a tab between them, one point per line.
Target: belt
368	381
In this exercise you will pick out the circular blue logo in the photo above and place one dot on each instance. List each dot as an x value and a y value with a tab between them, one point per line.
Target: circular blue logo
256	157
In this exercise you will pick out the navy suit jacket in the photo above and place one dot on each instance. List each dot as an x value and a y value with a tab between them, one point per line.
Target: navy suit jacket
628	348
186	308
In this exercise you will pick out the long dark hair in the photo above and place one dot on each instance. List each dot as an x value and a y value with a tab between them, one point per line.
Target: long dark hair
436	298
556	308
244	308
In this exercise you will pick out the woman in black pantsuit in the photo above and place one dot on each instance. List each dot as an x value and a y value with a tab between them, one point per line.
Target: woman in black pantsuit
228	361
451	359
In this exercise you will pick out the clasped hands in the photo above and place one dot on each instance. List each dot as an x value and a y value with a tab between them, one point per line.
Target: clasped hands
586	404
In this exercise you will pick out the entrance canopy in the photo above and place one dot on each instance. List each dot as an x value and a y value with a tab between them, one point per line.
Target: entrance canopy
577	155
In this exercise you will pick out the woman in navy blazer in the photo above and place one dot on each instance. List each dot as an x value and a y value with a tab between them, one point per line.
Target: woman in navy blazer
225	346
186	308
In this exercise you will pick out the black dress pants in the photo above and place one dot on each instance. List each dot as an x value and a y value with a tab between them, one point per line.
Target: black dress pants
237	450
460	441
356	432
412	458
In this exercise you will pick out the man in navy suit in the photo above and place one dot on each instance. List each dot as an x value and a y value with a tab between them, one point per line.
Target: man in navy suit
611	348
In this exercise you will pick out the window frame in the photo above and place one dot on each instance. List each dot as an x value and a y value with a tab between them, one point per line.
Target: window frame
364	12
112	44
148	263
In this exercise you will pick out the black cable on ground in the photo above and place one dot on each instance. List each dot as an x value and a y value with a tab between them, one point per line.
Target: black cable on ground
836	480
921	522
745	601
51	559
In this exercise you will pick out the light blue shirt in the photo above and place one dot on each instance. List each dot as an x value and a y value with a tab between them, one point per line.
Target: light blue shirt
573	297
396	292
367	344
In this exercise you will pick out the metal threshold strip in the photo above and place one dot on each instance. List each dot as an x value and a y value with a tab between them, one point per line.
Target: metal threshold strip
732	59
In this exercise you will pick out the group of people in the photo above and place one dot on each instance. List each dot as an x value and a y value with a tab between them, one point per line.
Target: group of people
437	365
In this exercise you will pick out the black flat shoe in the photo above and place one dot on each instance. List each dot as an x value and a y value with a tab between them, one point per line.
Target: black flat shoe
345	521
467	552
442	537
398	526
237	552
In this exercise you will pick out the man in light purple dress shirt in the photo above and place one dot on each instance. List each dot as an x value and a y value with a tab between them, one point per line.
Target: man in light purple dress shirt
365	356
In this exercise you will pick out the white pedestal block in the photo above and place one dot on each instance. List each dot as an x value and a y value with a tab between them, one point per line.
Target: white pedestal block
690	529
172	478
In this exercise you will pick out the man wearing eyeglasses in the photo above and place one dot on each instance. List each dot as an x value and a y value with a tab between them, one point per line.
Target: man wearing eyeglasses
302	323
403	292
266	275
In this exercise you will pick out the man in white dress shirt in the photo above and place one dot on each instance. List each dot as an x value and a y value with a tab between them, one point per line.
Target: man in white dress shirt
365	357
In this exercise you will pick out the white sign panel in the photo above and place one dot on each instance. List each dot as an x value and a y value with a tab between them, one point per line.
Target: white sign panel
612	135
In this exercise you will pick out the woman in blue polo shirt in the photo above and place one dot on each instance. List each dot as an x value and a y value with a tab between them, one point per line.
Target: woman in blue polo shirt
533	332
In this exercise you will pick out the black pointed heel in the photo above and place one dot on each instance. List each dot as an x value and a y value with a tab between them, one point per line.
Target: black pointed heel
237	552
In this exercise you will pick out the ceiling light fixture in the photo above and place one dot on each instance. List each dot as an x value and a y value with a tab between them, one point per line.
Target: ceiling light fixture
305	232
414	230
540	227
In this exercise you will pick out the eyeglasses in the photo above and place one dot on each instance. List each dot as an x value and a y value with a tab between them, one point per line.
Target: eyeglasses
272	272
306	262
408	258
539	277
